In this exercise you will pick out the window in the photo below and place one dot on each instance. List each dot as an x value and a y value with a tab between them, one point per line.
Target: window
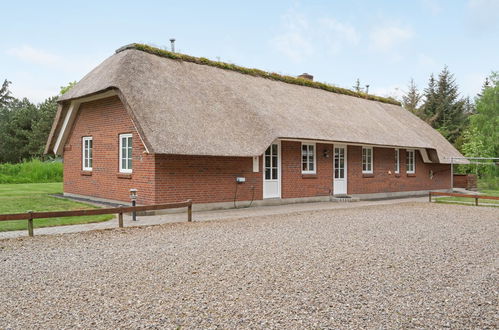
308	158
271	162
411	161
397	161
367	160
87	153
126	153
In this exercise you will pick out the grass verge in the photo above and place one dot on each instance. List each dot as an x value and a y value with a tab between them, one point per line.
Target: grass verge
19	198
471	200
33	171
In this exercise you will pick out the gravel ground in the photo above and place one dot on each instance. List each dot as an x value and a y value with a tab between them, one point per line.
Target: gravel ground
409	265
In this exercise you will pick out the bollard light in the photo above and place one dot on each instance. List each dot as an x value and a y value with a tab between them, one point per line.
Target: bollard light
133	197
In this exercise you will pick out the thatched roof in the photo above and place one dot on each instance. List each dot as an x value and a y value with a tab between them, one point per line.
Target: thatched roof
181	107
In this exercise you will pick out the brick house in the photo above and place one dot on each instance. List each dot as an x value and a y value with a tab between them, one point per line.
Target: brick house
177	127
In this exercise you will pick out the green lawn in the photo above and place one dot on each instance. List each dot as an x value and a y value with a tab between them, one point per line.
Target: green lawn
19	198
467	201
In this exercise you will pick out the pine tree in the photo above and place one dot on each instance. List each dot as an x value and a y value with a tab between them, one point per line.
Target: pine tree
411	100
443	107
5	94
429	108
356	87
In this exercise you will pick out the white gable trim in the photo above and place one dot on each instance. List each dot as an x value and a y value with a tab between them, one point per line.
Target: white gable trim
71	115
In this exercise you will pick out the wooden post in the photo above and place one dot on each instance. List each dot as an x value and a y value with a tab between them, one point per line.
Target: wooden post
120	219
30	224
189	211
429	196
476	201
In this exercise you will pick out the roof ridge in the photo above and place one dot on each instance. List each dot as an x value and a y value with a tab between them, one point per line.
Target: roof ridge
255	72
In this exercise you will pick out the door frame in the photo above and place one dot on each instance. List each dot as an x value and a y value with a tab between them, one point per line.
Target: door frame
279	171
346	166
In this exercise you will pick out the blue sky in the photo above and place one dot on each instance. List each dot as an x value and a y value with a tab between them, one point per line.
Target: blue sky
46	44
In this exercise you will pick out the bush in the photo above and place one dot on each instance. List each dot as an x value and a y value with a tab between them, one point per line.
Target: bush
33	171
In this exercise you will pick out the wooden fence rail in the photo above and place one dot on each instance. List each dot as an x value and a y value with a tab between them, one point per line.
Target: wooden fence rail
475	196
29	216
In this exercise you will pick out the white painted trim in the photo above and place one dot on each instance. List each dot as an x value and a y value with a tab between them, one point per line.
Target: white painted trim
413	158
356	144
83	140
255	164
71	115
279	170
345	163
315	157
371	171
424	156
121	137
63	133
397	163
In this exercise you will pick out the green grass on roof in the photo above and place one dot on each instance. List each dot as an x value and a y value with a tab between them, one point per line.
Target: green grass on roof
256	72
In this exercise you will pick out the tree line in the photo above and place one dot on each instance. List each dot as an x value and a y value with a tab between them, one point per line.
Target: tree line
471	125
24	126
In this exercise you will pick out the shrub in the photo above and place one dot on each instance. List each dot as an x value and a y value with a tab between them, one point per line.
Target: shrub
33	171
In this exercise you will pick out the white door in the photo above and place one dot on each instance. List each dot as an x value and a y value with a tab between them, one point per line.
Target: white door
340	170
271	172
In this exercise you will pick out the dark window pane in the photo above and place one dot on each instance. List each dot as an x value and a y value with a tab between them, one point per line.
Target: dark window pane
267	174
267	161
130	164
274	149
274	173
311	166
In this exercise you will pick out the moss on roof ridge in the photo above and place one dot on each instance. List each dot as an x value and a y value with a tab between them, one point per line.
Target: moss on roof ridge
255	72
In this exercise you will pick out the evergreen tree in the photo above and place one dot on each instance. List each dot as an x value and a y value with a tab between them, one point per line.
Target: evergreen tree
5	94
411	100
16	126
41	128
356	87
443	108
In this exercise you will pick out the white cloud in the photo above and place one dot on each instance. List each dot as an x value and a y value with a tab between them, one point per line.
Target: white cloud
301	37
472	83
33	93
393	91
433	6
33	55
387	38
427	62
483	16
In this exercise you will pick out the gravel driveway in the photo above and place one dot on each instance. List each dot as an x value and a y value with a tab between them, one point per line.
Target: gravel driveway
409	265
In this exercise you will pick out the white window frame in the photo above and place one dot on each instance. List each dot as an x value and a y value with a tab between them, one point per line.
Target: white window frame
84	148
308	162
407	158
397	161
371	163
122	137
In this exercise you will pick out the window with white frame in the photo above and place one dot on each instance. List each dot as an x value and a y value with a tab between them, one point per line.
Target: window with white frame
411	161
397	161
367	160
126	153
308	158
87	146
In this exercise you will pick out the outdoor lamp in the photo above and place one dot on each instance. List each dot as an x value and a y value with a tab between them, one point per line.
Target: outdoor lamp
133	197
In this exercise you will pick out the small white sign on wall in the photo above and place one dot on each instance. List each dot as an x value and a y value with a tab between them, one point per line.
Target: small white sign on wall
255	164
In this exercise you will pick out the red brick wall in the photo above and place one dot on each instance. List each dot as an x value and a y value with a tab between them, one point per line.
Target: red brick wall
104	120
168	178
295	184
206	179
383	181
